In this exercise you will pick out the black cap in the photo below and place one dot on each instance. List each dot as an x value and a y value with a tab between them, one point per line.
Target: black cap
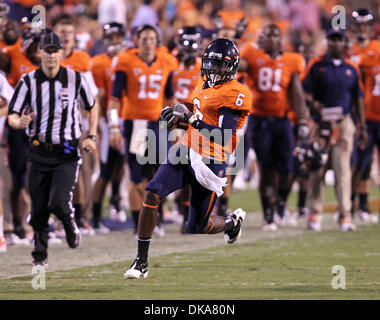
50	40
336	32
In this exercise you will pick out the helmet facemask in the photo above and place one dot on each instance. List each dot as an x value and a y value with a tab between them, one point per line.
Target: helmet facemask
216	71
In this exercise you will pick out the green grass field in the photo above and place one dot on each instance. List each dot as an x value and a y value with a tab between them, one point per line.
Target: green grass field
293	267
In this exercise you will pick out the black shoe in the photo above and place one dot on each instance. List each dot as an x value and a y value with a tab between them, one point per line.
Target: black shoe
280	208
43	263
137	270
184	229
72	233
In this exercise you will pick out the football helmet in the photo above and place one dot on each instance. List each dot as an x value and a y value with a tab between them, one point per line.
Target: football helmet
220	62
29	36
111	46
188	42
309	157
362	15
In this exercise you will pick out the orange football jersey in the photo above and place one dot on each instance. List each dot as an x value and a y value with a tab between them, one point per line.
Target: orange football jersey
145	84
20	63
102	71
78	61
207	104
372	92
364	57
231	18
101	68
270	80
185	81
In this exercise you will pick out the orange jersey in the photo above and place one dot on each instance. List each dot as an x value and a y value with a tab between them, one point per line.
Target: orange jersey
20	63
161	49
207	104
145	84
372	92
78	61
16	44
231	18
101	68
364	57
270	80
102	71
185	81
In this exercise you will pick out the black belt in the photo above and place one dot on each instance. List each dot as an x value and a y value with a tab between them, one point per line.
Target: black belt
66	147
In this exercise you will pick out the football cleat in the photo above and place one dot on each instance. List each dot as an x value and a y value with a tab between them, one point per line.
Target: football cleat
237	217
159	231
3	244
314	222
367	216
269	227
43	263
347	225
101	229
137	270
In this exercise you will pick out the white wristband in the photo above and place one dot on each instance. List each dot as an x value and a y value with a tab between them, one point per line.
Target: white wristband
112	117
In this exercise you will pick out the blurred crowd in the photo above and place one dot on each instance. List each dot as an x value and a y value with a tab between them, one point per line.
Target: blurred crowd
302	22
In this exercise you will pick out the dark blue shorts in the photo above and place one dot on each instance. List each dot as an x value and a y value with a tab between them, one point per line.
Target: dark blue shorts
19	147
139	172
365	156
170	178
273	141
106	168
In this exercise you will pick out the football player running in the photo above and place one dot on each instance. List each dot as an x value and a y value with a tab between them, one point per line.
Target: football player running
220	105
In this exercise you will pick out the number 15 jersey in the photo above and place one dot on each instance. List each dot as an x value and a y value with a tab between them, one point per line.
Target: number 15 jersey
145	84
270	80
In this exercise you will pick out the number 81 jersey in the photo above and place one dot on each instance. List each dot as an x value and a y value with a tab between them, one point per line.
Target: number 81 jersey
270	79
207	104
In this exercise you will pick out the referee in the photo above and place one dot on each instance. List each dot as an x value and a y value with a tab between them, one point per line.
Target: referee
46	103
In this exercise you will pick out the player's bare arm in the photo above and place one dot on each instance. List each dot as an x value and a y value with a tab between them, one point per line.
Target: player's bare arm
113	123
359	111
298	103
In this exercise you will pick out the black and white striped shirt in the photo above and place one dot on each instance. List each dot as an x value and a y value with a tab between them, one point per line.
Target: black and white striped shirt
54	102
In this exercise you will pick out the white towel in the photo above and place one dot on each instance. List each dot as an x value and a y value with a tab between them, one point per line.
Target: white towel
137	144
205	176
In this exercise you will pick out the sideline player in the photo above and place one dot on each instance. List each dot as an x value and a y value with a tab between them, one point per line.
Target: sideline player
220	104
275	81
185	79
365	53
146	78
17	60
111	160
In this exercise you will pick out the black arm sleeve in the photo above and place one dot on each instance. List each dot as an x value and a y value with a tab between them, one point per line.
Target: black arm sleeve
119	84
169	88
228	122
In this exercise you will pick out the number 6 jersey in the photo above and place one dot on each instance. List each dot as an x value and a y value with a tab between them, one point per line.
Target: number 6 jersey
145	84
207	104
270	79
